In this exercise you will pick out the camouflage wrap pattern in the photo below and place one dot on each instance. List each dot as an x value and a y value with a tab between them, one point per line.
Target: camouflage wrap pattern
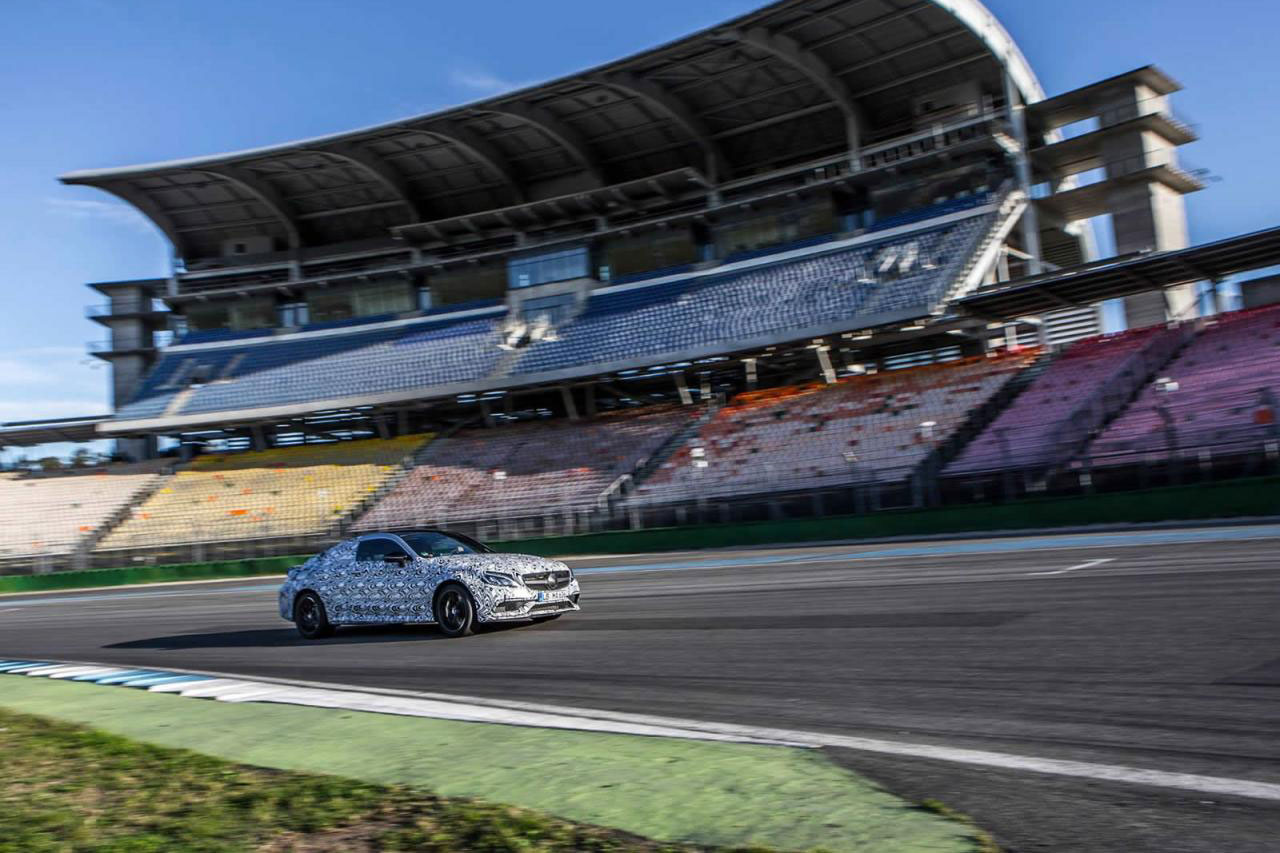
374	592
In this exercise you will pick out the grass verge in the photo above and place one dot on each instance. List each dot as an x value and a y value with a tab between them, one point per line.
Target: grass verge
69	788
673	791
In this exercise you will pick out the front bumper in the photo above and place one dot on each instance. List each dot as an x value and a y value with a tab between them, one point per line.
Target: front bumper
521	603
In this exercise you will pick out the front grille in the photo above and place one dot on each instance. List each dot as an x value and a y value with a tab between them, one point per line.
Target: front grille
548	580
551	605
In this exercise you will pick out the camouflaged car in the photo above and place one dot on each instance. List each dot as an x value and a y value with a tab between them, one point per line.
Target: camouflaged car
422	577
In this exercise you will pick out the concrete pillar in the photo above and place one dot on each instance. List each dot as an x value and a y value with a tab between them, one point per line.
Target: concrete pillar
1022	165
566	394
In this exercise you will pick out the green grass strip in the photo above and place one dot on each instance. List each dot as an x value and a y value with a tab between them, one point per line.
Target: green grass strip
724	795
70	788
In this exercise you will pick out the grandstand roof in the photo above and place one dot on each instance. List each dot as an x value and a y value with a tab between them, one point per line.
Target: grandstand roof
788	84
1126	275
29	433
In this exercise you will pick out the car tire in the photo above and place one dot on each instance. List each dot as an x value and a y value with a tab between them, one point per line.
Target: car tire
310	617
454	611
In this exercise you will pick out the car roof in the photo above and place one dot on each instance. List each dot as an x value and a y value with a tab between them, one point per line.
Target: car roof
385	534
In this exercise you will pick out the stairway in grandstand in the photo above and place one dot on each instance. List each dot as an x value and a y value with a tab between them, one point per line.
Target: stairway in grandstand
873	428
981	417
531	470
984	255
1082	389
626	485
899	271
1217	395
281	492
65	513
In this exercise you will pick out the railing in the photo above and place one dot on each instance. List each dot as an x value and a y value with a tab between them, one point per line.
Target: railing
126	306
1112	169
101	346
1157	106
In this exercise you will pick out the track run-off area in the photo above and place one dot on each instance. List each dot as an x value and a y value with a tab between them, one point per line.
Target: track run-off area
1111	691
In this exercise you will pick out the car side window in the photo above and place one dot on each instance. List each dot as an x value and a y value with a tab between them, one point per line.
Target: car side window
371	550
378	550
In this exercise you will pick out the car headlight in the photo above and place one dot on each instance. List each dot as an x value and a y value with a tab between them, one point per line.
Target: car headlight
495	579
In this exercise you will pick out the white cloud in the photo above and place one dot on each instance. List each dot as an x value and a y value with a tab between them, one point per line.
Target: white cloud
103	211
484	82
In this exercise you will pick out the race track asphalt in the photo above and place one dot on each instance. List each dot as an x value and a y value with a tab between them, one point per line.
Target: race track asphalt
1157	650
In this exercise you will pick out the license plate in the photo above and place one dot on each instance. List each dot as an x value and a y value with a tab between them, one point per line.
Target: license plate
542	596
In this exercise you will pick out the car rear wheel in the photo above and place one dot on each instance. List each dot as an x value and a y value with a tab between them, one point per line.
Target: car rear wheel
455	612
310	617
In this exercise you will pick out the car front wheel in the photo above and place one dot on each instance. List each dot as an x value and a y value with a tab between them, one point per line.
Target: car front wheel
310	617
455	612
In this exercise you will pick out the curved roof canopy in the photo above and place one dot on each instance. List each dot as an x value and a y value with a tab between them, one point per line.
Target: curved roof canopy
787	84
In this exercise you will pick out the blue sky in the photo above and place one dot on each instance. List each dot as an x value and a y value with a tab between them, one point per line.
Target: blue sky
92	83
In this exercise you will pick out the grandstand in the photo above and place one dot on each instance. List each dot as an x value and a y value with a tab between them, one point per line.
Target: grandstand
282	492
775	257
1216	398
553	469
1090	381
59	515
876	428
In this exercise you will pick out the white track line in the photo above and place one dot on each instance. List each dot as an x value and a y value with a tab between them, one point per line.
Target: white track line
443	706
1088	565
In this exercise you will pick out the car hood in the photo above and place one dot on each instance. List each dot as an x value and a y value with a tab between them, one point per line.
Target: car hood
512	564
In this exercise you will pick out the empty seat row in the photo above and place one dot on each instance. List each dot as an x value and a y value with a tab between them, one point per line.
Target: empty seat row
524	469
55	515
1218	395
864	429
291	491
1035	432
849	286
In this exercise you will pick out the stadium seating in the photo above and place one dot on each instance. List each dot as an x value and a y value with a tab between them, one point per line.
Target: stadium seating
1213	393
523	470
1033	431
879	278
52	515
320	366
876	281
874	428
280	492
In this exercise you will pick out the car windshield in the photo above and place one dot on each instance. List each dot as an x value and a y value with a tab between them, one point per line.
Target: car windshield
436	544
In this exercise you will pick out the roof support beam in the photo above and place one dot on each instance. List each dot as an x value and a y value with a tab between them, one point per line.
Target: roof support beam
380	169
265	194
812	66
564	135
717	166
158	215
480	149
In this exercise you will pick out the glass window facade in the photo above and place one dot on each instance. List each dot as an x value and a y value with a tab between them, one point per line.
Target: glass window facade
549	267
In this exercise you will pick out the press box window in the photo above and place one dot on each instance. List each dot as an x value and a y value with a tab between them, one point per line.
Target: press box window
549	267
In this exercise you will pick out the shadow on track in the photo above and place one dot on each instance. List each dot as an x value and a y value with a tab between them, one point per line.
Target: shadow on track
276	637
